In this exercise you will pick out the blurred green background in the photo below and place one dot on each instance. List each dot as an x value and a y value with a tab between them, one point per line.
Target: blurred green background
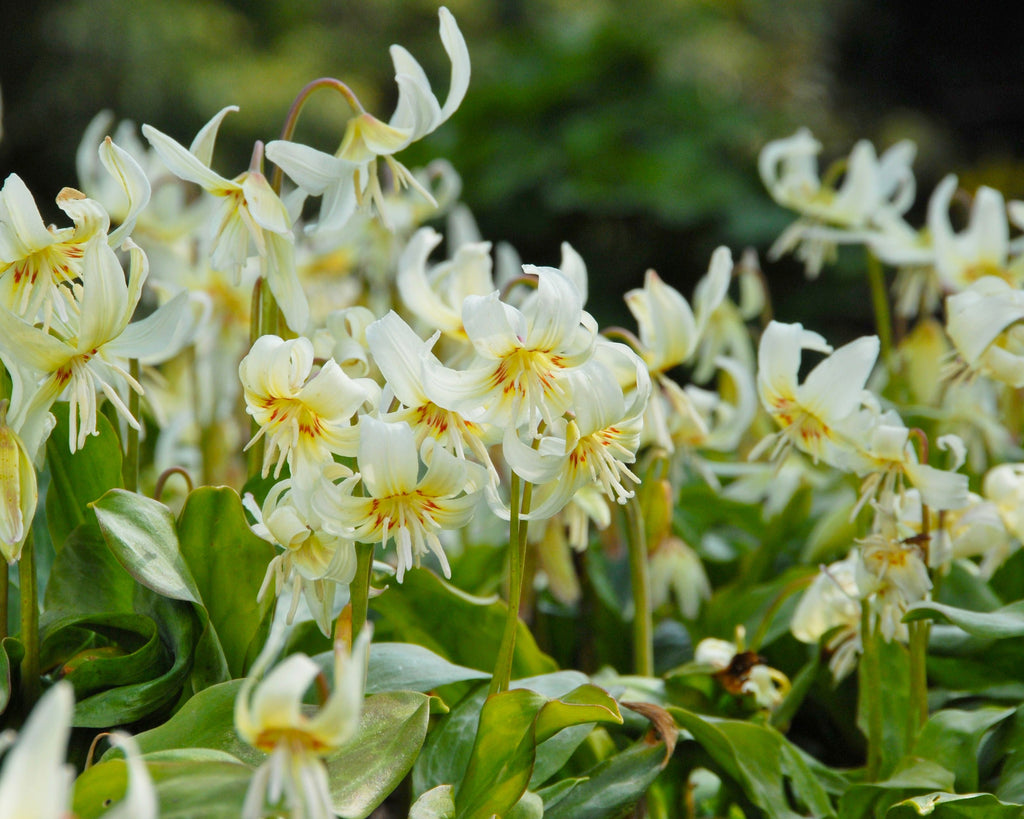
629	129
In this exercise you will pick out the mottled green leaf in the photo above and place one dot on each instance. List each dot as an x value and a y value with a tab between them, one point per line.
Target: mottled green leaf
141	533
610	788
391	731
409	667
227	563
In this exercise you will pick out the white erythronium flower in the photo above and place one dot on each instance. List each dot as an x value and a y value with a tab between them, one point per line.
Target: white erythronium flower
250	213
669	329
884	455
523	355
40	266
398	353
305	418
397	503
94	354
1003	485
350	177
893	569
35	781
980	249
435	295
832	602
314	561
270	716
593	443
874	190
18	490
984	324
811	414
676	570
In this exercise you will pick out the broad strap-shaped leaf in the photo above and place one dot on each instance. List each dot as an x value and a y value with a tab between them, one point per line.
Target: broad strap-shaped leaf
227	563
955	806
433	613
994	625
391	732
761	760
141	533
211	786
77	479
512	724
951	738
913	777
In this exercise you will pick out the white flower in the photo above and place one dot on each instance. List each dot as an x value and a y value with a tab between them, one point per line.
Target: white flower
875	190
350	177
250	213
984	324
270	716
396	502
524	355
832	602
305	418
811	414
94	352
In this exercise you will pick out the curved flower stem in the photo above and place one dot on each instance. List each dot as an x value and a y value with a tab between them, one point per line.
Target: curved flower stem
640	579
292	118
359	590
519	502
158	490
130	468
880	304
29	624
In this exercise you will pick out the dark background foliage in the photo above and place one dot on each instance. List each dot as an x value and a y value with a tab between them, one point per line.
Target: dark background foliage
629	129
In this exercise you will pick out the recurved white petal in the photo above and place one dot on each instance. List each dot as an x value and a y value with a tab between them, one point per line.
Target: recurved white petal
388	460
185	164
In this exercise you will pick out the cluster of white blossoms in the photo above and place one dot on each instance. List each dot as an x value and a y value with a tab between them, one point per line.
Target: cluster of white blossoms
962	360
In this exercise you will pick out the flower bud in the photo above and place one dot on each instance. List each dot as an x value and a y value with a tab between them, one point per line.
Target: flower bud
18	491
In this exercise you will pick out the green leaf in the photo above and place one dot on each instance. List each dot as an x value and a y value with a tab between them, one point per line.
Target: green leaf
210	788
141	533
893	699
177	627
610	788
955	806
409	667
951	738
391	731
448	747
427	611
511	726
996	625
92	602
227	563
912	777
11	652
760	760
78	479
207	720
437	803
